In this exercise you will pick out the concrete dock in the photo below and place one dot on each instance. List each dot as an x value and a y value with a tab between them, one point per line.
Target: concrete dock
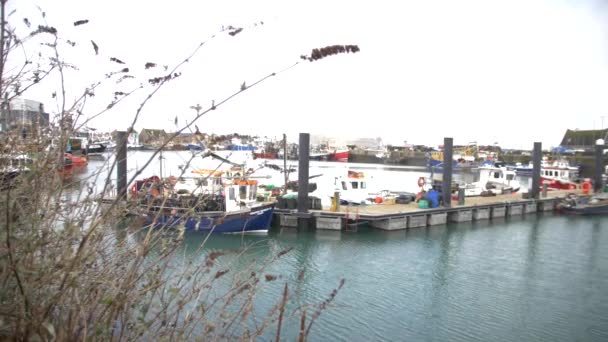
403	216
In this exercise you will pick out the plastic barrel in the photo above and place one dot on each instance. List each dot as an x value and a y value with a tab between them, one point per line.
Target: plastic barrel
292	203
423	204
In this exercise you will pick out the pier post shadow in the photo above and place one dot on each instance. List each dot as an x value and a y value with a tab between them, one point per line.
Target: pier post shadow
121	168
446	182
536	157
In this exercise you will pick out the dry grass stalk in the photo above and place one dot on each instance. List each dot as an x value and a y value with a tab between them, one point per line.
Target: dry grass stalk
73	269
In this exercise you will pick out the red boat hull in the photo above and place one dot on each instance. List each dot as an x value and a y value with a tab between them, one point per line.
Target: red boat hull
557	184
266	155
339	156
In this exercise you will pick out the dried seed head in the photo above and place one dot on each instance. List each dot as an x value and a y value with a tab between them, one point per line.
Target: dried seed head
161	79
116	60
220	273
270	277
317	54
285	251
215	255
44	29
233	32
81	22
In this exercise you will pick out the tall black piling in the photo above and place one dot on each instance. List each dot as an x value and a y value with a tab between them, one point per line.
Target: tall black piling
285	173
304	217
599	165
536	158
121	168
446	183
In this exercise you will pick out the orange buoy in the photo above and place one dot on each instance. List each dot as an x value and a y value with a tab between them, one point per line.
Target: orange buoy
586	186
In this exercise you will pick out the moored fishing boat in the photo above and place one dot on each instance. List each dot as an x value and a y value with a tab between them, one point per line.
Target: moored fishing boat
493	180
262	154
559	175
565	171
353	188
339	155
584	205
208	203
95	149
76	161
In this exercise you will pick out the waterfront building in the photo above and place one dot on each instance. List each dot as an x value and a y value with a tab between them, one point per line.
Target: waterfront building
23	117
582	140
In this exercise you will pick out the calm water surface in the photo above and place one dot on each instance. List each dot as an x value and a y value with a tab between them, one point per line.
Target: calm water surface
533	279
539	278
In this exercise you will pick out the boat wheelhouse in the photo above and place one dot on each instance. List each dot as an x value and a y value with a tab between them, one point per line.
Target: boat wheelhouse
492	181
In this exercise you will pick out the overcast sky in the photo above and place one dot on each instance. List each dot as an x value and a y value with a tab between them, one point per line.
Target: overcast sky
506	71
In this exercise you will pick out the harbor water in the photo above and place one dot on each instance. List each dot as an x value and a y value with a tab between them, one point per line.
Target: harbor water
536	278
532	279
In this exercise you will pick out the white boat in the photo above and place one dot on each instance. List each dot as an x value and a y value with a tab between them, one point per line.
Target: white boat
11	167
559	175
492	181
353	189
546	164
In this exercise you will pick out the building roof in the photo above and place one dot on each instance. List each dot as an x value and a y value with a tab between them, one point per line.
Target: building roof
583	137
153	132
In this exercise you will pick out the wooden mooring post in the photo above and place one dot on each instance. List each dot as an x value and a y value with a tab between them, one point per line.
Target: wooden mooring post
599	165
446	183
305	219
121	168
536	157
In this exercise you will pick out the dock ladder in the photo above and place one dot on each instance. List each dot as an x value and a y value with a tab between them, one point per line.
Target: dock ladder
351	227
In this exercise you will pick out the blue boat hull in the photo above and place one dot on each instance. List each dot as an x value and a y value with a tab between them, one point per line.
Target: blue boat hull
194	147
255	221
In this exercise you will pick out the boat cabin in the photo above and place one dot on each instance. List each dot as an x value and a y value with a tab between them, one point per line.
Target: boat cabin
354	181
202	182
239	193
500	175
558	174
353	188
496	180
